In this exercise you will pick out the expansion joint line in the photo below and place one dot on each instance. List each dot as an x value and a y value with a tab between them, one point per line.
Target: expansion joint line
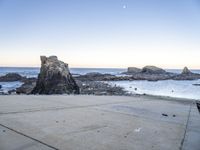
54	148
182	142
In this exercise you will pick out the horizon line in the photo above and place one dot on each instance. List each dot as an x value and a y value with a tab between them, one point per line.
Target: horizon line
97	67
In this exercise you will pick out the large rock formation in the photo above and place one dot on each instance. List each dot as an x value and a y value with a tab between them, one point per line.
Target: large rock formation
152	70
133	70
54	78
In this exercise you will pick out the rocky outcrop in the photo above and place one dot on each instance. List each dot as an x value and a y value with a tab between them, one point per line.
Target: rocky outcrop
54	78
95	76
152	70
27	87
133	70
99	88
150	73
136	76
186	71
10	77
187	75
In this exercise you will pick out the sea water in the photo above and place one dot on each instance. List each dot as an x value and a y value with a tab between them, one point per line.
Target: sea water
183	89
172	88
33	72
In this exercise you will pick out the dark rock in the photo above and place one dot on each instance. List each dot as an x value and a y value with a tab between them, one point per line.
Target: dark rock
12	92
187	75
10	77
133	70
165	115
0	86
153	70
3	93
196	84
54	78
198	105
136	76
99	88
150	73
95	76
186	71
27	87
152	76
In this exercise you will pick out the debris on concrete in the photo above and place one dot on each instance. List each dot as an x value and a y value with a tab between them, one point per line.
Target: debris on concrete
166	115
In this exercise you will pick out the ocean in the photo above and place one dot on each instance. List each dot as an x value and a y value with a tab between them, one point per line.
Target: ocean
181	89
33	72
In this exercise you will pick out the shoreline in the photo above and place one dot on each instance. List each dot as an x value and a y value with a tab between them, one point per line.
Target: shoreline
126	93
95	83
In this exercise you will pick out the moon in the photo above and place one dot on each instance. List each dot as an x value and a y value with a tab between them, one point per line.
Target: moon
124	6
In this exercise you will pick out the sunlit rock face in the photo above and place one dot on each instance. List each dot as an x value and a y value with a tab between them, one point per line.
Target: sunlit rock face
153	70
133	70
55	78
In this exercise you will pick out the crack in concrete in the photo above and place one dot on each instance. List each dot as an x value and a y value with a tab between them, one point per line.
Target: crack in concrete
198	105
34	139
183	140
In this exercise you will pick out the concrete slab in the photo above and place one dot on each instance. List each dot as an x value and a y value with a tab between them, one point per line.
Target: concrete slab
192	134
10	140
98	122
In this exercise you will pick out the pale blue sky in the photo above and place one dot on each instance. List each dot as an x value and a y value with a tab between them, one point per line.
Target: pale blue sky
101	33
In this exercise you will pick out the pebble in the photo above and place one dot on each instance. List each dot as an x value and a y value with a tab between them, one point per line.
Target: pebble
166	115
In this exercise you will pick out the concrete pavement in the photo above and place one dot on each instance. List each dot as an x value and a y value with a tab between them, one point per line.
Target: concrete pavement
98	123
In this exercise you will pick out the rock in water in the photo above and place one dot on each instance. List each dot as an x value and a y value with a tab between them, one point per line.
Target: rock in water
186	71
54	78
153	70
133	70
187	75
10	77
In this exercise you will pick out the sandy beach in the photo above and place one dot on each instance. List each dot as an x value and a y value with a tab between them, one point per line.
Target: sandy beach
98	122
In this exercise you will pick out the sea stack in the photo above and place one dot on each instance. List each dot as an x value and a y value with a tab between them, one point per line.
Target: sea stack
186	71
54	78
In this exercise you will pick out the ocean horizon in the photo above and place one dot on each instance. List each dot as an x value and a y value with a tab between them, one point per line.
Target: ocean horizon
34	71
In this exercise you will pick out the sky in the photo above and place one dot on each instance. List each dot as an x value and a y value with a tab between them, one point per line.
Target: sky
101	33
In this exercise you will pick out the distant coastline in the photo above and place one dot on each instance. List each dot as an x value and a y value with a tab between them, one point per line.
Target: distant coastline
163	88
